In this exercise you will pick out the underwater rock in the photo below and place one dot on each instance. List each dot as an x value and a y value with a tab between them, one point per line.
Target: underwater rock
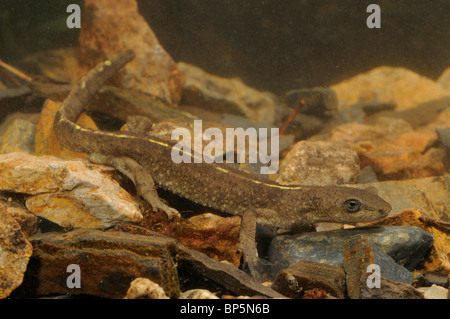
406	245
444	79
198	294
444	137
389	289
429	195
304	275
29	223
46	142
388	84
404	157
69	193
17	134
227	95
113	26
437	260
319	163
194	266
318	101
108	262
434	292
15	251
360	257
144	288
215	236
360	136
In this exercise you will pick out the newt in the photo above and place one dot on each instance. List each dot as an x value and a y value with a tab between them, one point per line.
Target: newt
215	185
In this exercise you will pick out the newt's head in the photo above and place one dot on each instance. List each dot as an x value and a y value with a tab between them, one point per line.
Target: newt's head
352	205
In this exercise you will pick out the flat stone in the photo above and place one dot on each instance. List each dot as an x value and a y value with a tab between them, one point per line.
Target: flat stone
113	26
302	276
406	245
15	251
109	262
319	163
68	193
389	289
227	95
199	270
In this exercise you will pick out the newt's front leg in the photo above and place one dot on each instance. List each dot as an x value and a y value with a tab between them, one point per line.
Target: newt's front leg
140	177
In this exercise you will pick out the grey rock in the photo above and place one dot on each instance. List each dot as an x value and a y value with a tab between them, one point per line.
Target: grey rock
406	245
319	163
318	101
444	137
18	136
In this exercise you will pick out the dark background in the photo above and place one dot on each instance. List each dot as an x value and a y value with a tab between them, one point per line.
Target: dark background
271	44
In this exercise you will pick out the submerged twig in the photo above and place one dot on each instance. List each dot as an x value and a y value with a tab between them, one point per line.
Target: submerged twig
15	71
291	117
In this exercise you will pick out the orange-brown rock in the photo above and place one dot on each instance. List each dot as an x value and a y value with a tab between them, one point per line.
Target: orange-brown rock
113	26
439	257
46	142
215	236
404	157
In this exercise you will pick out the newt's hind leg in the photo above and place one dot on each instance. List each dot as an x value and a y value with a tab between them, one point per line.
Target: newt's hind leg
247	244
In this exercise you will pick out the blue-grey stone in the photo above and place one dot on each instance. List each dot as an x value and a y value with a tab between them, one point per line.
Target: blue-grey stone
406	245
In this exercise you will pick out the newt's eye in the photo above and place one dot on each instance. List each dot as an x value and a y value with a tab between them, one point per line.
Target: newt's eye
352	205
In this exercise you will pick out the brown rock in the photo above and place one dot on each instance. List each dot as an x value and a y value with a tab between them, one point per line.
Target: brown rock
389	84
360	255
438	260
113	26
388	290
226	95
304	276
319	163
46	142
108	263
15	251
29	223
403	158
215	236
